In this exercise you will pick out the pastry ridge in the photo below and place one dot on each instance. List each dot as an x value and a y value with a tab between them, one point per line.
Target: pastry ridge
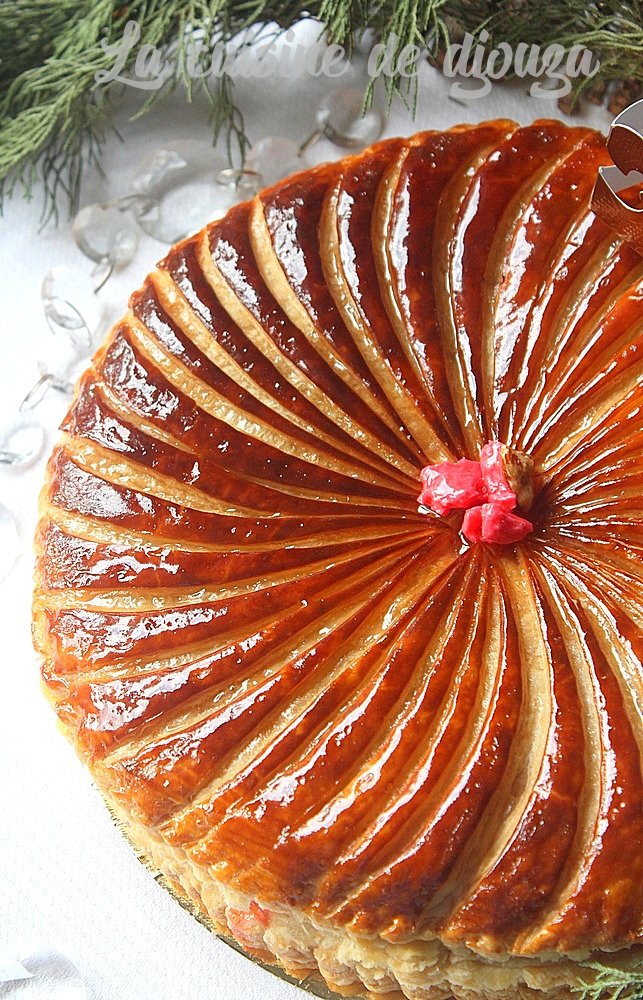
311	702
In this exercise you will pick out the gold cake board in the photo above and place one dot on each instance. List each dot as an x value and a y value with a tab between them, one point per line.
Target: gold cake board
312	983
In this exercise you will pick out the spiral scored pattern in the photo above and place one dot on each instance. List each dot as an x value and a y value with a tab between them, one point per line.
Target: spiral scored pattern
263	649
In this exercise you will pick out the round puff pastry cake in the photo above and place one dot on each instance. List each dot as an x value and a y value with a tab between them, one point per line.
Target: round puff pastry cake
366	738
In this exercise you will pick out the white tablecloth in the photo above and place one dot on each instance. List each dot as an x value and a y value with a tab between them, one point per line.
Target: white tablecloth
68	881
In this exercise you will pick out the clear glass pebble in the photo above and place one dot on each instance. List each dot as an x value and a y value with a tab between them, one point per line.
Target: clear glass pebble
9	542
179	191
185	210
71	305
242	184
44	383
35	395
340	119
105	232
43	975
21	442
274	158
101	273
169	166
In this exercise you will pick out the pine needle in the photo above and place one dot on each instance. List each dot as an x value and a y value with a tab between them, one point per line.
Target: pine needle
53	115
609	982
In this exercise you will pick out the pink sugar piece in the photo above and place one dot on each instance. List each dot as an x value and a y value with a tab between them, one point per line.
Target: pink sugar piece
497	488
452	486
491	523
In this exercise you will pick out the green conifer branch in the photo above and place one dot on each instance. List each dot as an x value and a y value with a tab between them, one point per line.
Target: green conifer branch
53	116
601	981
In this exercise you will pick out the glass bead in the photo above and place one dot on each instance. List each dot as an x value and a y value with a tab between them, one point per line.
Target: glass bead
274	158
9	542
179	191
46	381
101	273
340	119
21	442
104	232
44	975
169	166
71	306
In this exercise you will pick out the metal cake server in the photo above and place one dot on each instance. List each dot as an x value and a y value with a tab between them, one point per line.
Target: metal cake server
625	146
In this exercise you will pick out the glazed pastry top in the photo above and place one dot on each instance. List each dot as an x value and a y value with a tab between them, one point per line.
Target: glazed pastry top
261	645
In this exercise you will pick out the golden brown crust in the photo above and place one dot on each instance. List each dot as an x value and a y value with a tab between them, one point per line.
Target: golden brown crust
269	658
349	965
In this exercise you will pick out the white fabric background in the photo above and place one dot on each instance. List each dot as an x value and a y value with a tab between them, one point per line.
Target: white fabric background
67	879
